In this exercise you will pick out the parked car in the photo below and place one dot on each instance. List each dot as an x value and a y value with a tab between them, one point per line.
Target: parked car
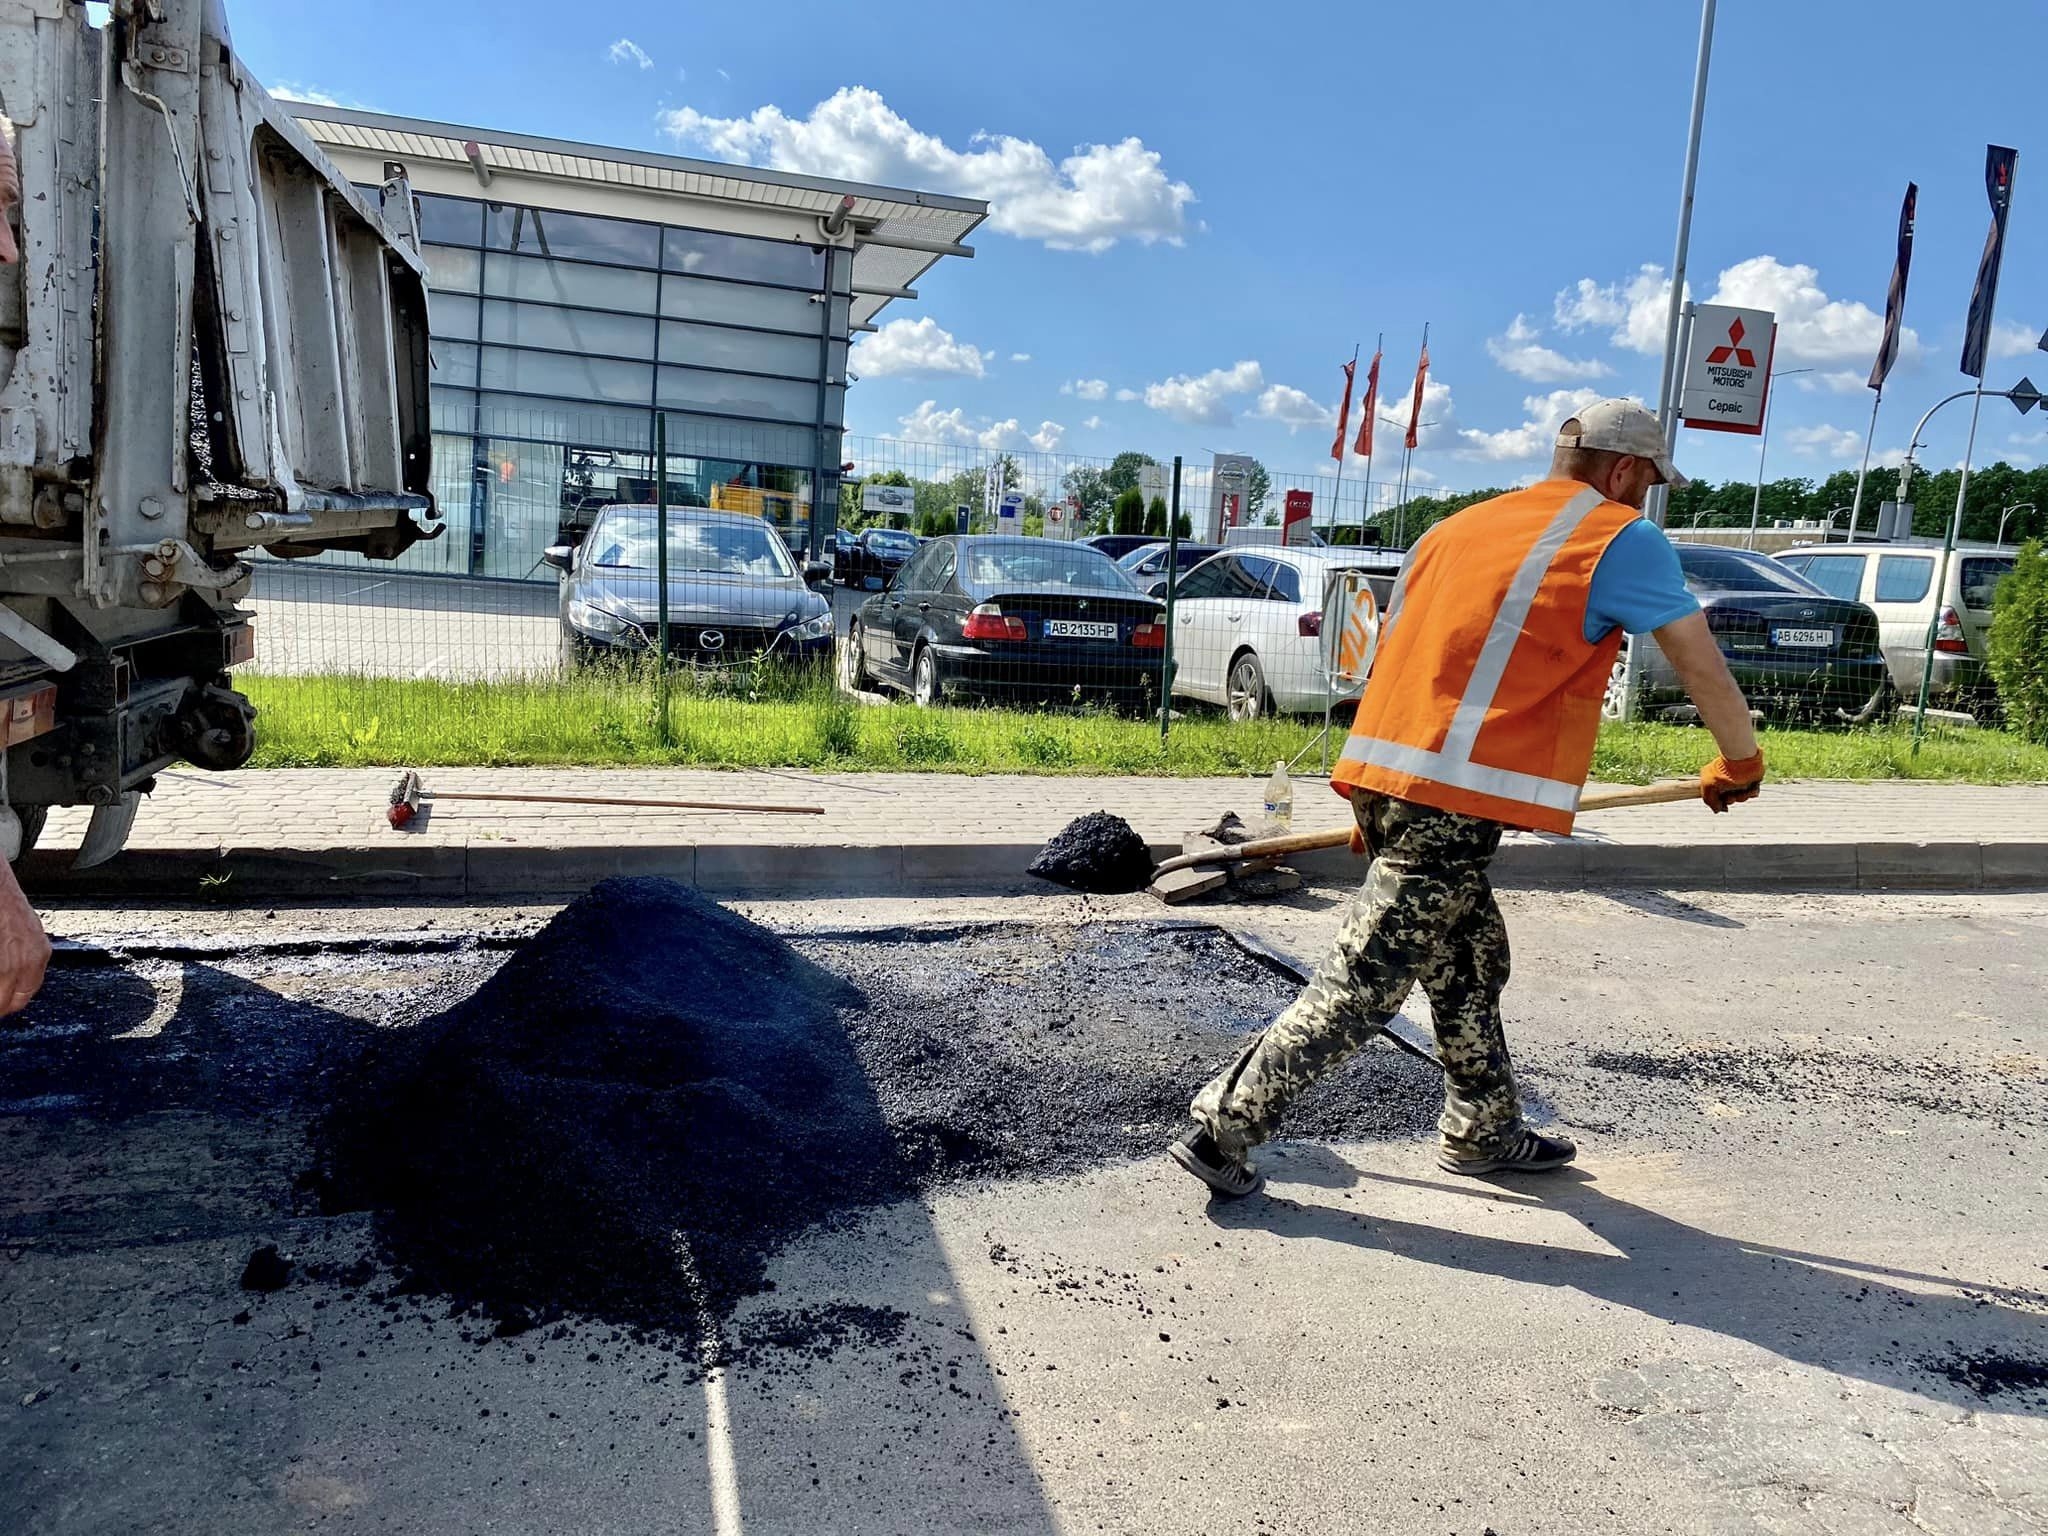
735	594
994	615
1248	625
1897	582
1117	545
1146	565
1798	653
876	555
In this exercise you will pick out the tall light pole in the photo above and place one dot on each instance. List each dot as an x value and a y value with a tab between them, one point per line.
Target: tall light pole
2018	506
1828	526
1756	503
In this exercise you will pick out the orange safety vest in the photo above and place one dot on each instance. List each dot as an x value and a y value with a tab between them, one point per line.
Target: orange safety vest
1485	695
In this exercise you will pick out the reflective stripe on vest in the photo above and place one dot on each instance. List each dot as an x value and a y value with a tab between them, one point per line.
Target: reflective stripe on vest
1452	763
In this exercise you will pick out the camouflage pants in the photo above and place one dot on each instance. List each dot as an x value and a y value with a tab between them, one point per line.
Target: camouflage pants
1425	914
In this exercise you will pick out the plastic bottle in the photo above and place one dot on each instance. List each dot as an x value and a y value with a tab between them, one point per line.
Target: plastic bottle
1280	798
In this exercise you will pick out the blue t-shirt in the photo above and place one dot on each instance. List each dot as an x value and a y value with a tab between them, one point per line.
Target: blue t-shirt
1638	585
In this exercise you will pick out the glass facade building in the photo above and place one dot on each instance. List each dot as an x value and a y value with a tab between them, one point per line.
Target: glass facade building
576	292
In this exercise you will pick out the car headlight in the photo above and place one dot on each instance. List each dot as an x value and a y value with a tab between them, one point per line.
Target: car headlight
595	621
819	628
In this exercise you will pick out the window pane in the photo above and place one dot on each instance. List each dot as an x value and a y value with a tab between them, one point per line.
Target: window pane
1903	578
561	282
701	253
1286	586
835	405
1836	575
586	237
547	373
454	220
452	315
780	309
1710	568
1205	580
567	330
734	394
589	425
451	269
1981	576
710	346
454	363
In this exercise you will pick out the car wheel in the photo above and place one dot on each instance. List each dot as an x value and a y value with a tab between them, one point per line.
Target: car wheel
1614	703
854	667
924	678
1247	690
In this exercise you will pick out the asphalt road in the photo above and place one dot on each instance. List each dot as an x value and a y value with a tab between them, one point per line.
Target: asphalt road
1796	1284
374	621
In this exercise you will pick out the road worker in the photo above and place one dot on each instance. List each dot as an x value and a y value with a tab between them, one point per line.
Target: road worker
1480	715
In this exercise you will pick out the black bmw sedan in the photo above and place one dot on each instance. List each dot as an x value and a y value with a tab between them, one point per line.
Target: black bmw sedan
1797	653
1001	616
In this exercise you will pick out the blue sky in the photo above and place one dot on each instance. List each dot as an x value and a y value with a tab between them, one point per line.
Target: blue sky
1200	208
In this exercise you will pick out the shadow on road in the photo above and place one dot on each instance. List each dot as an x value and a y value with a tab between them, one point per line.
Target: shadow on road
1835	1314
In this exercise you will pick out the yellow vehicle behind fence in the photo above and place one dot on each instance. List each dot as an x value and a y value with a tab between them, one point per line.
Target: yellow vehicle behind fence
789	511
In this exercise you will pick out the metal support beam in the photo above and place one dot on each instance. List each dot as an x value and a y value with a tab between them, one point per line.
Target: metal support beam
897	242
883	293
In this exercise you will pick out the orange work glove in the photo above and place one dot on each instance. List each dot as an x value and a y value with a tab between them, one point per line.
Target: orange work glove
1722	783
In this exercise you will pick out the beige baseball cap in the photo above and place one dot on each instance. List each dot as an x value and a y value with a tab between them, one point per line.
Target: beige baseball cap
1622	426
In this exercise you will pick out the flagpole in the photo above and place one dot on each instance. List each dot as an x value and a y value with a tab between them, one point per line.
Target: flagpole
1372	409
1407	446
1856	510
1343	447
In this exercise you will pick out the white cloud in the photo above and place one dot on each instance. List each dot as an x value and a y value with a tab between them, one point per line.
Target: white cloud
313	96
1100	194
1293	409
1518	352
1536	436
1837	443
928	424
1125	395
1203	400
915	348
626	51
1836	381
1020	357
1631	311
1089	389
1812	327
1047	438
2011	339
1093	423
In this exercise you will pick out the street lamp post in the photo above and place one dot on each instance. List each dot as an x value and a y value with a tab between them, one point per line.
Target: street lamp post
1756	504
2018	506
1828	526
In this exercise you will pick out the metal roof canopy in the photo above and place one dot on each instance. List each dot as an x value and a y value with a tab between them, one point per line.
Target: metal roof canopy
897	235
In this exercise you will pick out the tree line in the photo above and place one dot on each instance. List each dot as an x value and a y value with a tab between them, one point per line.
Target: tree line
1110	497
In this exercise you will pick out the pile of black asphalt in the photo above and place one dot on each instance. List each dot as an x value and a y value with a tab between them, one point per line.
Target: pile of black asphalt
653	1094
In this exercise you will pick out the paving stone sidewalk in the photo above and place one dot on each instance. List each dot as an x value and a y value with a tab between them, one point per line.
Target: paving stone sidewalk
895	829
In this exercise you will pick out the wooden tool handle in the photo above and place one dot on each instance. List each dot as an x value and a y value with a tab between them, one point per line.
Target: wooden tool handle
1668	792
663	805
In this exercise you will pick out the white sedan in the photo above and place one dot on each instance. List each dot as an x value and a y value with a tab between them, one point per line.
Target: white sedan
1248	627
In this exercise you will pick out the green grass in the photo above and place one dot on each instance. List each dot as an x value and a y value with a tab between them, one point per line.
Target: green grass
348	721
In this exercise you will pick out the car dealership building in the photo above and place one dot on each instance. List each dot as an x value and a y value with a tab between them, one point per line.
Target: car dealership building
576	291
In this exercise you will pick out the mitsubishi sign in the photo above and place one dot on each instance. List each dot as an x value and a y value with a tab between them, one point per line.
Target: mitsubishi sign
1728	369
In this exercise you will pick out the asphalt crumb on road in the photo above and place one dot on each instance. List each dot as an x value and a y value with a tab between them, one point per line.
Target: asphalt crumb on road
1995	1375
1098	852
654	1094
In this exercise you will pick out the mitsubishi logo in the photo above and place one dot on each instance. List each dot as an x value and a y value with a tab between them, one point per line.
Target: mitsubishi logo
1735	348
711	639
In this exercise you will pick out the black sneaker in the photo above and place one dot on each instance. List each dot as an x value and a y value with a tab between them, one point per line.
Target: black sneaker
1530	1152
1198	1153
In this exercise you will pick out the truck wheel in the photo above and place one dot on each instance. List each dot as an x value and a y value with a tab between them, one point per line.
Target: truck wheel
33	818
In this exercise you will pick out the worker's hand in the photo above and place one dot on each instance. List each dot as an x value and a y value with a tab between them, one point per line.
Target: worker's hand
1722	783
24	947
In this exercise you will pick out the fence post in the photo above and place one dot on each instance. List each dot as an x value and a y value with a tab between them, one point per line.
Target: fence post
1172	575
662	730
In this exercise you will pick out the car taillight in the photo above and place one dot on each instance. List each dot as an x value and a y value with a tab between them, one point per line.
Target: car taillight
988	622
1310	623
1149	637
1948	634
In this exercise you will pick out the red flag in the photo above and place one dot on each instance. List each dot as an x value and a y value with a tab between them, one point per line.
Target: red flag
1344	411
1363	447
1421	378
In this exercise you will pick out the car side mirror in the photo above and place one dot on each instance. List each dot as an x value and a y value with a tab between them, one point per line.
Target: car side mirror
558	555
817	573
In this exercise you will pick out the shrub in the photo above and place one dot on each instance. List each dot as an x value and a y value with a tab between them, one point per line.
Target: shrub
1155	517
2017	648
920	738
1128	515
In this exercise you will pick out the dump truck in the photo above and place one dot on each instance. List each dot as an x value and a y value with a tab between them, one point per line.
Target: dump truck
213	351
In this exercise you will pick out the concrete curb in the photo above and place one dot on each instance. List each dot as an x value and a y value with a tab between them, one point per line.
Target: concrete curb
487	870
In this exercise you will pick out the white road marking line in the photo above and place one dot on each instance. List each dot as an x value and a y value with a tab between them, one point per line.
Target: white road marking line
719	1467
